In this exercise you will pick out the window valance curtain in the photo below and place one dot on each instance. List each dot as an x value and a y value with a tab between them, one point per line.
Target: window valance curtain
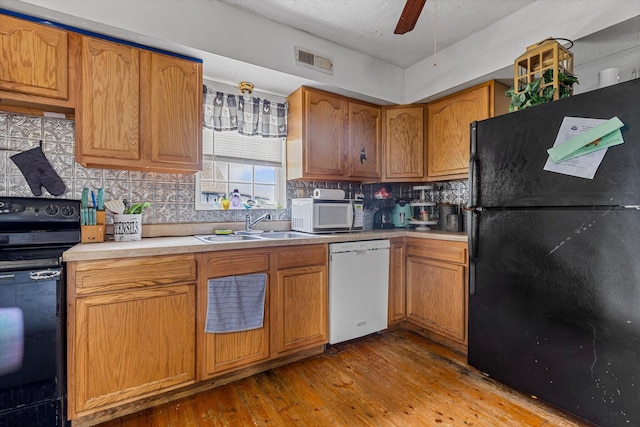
226	112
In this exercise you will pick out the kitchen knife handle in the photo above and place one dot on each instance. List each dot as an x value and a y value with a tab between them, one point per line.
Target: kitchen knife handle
100	199
85	197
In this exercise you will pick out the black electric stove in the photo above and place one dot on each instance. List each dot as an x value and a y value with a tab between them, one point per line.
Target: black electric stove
34	232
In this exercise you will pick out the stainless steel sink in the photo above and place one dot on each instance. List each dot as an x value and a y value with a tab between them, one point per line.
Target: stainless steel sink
286	235
270	235
225	238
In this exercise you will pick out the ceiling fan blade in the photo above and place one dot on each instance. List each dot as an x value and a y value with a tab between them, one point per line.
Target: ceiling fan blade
409	16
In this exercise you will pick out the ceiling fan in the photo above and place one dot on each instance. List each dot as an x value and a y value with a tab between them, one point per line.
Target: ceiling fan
409	16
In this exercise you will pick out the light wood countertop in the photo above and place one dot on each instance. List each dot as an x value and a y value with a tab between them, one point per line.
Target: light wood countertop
152	246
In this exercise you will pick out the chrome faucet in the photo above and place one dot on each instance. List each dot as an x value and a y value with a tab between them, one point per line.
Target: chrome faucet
250	224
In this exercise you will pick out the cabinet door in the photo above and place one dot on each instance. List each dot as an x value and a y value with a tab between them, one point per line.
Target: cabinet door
34	58
437	297
233	350
107	122
449	122
397	292
365	142
302	295
404	143
131	344
325	135
222	352
171	111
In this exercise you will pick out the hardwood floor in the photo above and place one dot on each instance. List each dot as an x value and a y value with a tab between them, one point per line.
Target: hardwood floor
394	379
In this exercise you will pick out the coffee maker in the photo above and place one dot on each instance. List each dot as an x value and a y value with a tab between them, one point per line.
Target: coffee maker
383	218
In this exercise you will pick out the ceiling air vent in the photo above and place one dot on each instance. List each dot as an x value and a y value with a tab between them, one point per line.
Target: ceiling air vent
312	60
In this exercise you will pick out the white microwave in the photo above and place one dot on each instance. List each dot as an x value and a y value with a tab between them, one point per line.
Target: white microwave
326	216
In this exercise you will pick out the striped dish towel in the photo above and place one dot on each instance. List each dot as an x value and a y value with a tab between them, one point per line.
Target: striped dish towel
236	303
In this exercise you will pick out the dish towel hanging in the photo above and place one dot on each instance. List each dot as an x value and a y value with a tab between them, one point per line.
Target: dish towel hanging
236	303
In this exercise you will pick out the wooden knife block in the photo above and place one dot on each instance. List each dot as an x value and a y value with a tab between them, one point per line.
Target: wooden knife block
95	233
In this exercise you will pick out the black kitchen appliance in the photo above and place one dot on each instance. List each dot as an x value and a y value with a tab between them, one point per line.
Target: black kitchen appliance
554	304
383	218
33	235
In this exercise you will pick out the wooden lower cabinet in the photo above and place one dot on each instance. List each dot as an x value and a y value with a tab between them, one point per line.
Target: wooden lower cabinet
437	290
302	308
132	337
397	289
136	326
301	313
296	311
222	352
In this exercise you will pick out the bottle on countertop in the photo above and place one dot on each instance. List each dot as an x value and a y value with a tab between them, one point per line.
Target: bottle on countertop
236	200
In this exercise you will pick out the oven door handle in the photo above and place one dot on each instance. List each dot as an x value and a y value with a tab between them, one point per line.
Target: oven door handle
45	274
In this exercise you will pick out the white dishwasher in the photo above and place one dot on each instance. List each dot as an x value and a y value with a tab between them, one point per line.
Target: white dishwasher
358	289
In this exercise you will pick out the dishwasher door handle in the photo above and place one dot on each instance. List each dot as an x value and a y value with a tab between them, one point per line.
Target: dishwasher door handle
366	252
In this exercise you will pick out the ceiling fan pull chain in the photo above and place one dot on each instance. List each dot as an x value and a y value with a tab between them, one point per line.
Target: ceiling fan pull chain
435	32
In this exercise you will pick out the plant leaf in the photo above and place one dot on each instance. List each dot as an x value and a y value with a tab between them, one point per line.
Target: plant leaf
548	76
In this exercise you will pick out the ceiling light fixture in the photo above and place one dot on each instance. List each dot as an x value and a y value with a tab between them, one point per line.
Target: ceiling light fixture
246	87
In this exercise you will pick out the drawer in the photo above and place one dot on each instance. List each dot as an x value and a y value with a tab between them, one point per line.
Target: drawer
130	273
438	249
232	263
301	256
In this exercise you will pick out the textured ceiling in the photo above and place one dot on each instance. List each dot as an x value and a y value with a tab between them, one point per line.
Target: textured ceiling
367	25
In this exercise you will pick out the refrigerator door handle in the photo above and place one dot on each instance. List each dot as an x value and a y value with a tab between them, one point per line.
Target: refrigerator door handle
474	211
474	218
472	277
473	166
473	232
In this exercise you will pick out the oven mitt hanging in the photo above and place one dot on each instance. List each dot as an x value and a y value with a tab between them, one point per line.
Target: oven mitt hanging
38	172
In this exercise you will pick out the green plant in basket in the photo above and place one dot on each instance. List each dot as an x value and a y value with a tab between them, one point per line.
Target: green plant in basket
532	95
137	208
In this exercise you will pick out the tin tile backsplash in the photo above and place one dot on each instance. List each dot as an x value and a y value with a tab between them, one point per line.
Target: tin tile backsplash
171	195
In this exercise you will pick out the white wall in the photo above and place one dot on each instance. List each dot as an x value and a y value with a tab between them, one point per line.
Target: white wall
497	46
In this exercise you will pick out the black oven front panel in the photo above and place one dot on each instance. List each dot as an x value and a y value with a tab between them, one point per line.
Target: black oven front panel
32	374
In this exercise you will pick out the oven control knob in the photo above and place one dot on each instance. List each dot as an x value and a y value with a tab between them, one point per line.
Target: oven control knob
51	210
68	211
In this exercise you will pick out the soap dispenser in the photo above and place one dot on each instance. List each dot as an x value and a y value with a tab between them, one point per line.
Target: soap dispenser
236	200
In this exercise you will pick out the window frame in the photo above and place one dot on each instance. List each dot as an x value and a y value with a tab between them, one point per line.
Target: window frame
280	180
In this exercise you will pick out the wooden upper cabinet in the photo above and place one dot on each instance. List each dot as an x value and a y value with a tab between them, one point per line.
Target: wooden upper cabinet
365	140
172	110
404	157
449	122
34	65
317	135
107	120
327	134
139	110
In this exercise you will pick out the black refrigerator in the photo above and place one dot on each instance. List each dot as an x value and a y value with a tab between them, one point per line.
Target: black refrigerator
554	286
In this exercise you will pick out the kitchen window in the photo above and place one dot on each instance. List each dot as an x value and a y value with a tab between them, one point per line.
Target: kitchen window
253	165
